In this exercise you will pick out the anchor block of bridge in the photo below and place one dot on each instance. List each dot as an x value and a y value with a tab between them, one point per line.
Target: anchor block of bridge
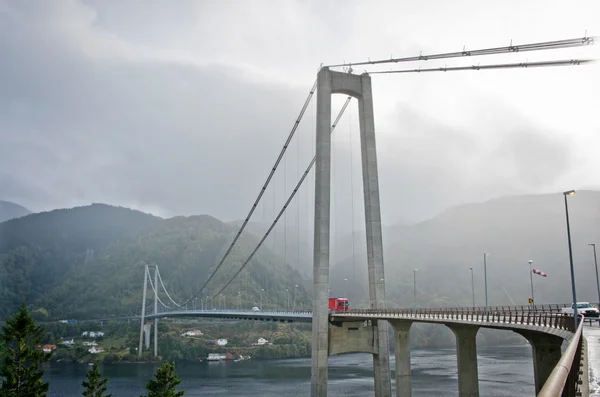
353	337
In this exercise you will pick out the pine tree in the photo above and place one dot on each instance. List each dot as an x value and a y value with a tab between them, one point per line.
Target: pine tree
95	387
21	360
165	383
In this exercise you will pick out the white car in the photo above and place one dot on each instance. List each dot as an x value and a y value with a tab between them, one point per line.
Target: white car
584	308
255	309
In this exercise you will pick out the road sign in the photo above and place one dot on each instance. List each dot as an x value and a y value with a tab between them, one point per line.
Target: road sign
530	300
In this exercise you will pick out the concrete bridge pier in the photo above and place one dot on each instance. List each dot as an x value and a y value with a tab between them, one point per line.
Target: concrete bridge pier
546	354
466	354
147	328
403	368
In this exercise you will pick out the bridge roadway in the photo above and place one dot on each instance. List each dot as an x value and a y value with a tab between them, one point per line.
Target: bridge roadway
545	328
516	318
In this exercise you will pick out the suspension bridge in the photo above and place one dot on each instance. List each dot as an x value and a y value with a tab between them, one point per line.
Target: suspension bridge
546	328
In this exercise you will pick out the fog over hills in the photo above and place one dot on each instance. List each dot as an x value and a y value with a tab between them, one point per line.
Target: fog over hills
512	230
10	210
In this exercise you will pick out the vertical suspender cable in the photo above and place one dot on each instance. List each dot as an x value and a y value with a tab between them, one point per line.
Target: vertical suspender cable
354	291
262	191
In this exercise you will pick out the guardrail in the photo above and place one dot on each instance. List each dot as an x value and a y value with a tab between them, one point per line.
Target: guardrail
510	315
567	376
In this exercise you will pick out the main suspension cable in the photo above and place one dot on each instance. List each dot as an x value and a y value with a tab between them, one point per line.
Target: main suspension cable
165	289
548	45
565	62
154	289
290	198
262	191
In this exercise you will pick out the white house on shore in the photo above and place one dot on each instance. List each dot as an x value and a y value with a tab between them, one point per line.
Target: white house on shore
261	342
222	342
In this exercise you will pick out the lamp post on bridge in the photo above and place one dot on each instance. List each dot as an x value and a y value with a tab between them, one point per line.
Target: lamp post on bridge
485	281
531	279
472	287
287	293
261	300
415	288
596	265
565	194
239	300
294	301
345	288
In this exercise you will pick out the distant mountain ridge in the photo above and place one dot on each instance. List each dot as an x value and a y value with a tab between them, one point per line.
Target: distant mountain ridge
87	262
9	210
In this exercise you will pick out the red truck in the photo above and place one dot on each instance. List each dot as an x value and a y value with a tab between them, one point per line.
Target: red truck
338	304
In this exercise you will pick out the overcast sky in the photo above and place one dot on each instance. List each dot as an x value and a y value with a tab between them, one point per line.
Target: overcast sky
182	107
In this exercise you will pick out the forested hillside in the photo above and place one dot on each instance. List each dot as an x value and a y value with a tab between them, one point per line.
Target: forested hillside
88	262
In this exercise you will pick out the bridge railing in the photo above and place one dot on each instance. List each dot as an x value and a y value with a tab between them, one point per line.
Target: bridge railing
549	317
567	376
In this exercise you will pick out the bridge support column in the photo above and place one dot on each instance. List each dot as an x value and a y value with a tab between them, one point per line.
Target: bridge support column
381	361
143	310
403	368
147	328
155	312
546	354
466	354
320	325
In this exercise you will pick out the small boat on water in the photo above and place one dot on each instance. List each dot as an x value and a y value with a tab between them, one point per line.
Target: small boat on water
219	357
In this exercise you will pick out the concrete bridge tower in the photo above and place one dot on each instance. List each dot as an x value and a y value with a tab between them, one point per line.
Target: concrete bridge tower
359	87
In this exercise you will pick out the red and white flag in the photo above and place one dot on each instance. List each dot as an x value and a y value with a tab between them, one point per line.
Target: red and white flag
539	272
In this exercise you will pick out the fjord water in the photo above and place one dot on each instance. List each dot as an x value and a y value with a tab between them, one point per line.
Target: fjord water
503	371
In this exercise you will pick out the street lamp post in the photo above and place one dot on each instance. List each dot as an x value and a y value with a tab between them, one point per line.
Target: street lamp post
294	301
565	194
287	293
472	286
531	279
596	264
415	288
261	300
240	300
345	288
485	281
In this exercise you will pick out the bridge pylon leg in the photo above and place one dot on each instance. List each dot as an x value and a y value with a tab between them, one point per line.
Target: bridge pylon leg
466	354
403	368
320	324
140	347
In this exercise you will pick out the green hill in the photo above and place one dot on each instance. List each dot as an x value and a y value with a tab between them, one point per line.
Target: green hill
87	262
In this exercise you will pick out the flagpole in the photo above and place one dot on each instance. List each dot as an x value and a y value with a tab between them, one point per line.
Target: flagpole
531	279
